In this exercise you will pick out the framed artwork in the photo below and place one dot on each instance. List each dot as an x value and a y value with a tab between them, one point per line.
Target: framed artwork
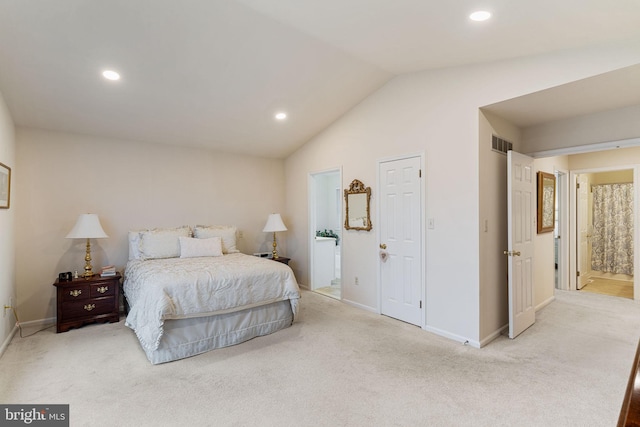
5	186
546	202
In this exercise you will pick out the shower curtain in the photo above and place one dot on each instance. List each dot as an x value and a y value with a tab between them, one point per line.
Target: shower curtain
612	238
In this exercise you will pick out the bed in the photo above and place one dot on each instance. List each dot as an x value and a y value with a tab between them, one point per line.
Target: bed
191	291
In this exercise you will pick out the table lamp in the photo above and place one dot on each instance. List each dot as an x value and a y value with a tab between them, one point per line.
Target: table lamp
274	224
87	227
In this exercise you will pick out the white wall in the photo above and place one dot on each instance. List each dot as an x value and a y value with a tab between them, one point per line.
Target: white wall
544	252
493	233
435	112
130	185
7	229
492	183
604	126
605	159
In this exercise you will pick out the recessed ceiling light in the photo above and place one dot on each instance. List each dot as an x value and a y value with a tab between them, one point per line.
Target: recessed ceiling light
281	116
481	15
110	75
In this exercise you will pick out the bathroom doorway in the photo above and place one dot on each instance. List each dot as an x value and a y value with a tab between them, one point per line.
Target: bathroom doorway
325	227
606	232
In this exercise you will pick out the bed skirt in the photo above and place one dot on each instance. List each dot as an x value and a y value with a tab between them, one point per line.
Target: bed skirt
189	337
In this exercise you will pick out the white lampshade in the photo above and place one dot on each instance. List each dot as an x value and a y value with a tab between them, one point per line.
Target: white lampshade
274	223
87	227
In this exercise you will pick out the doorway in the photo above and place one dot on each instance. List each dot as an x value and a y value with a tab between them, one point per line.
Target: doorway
561	231
325	229
605	223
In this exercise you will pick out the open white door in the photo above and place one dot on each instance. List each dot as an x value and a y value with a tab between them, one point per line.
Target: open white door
521	220
584	237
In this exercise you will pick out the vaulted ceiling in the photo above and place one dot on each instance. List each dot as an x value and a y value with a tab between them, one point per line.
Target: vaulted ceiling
212	73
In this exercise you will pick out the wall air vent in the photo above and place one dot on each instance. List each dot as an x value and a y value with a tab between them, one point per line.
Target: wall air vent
500	145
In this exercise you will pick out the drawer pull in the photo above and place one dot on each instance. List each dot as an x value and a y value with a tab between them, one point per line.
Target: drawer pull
75	292
89	307
103	289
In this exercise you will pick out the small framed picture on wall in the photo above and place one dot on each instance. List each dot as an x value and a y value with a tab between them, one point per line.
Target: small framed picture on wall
546	202
5	186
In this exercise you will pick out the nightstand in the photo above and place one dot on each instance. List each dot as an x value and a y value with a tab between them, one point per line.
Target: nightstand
83	301
282	259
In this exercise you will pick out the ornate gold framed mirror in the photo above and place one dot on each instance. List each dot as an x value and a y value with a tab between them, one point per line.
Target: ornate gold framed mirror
357	199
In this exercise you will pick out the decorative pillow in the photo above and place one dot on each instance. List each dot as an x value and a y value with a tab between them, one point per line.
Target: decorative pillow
134	245
225	232
162	242
192	248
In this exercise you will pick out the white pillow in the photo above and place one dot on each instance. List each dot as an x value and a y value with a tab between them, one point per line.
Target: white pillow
191	248
162	242
134	245
225	232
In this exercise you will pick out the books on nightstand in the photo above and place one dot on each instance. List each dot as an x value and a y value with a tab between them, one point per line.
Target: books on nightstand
108	270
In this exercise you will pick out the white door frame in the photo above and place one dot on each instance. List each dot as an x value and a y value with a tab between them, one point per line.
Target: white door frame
572	228
312	204
563	228
423	186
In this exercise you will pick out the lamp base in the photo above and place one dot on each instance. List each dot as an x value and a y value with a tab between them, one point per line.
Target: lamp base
88	269
274	253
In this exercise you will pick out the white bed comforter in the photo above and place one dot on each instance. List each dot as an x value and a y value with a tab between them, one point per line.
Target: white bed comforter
176	288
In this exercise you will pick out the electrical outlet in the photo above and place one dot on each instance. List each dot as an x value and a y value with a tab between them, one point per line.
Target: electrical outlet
240	234
357	281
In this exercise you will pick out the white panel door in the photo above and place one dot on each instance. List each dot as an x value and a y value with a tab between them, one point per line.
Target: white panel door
521	221
584	237
401	239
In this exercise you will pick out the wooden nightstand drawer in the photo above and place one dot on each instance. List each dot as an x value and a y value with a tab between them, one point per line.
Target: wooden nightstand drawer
94	307
76	292
103	290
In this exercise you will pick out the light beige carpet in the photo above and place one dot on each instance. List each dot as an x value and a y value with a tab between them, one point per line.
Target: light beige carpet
330	291
612	287
342	366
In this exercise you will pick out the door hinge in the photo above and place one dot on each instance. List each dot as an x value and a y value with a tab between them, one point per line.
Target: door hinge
419	173
420	304
577	273
578	185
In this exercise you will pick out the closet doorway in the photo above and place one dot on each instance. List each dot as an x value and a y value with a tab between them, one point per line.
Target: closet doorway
325	229
605	224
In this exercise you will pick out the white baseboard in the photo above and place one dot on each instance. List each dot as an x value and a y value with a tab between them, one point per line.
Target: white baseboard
48	322
358	305
500	331
545	303
7	341
454	337
495	335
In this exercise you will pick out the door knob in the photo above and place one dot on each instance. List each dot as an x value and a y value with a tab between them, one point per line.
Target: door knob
383	246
